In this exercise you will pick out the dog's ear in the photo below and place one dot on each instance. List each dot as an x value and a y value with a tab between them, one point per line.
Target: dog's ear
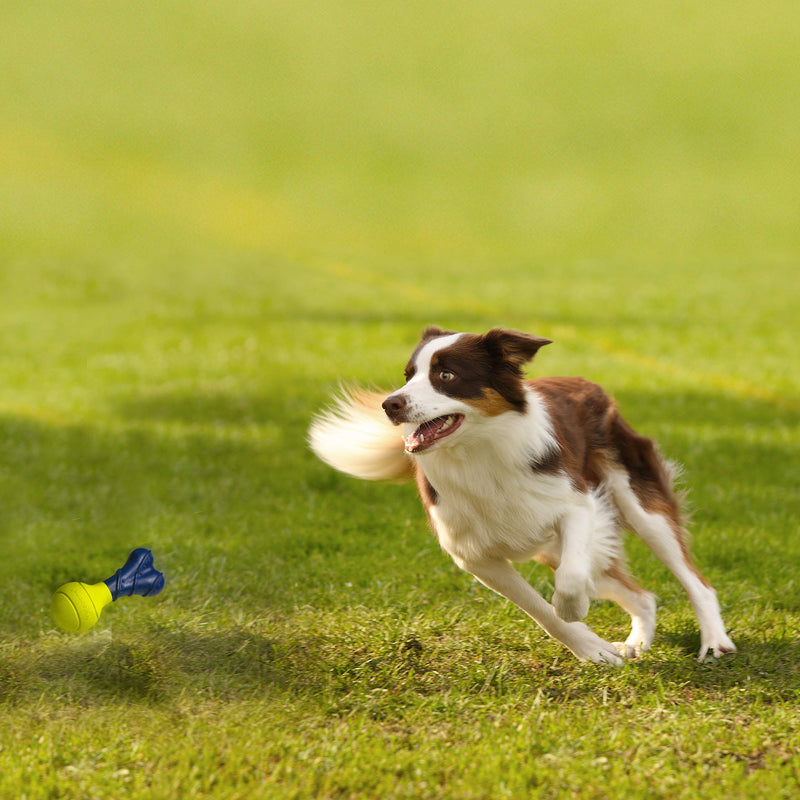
514	347
433	332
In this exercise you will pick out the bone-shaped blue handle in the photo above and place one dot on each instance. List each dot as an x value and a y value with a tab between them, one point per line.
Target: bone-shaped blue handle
136	576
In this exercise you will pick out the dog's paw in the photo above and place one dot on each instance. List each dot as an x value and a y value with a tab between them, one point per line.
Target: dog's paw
639	641
571	607
718	647
643	627
588	646
628	652
630	649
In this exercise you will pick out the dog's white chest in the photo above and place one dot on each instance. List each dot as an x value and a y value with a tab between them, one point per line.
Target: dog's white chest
485	512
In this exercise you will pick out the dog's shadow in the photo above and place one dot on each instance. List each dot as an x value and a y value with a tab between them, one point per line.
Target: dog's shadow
762	669
163	665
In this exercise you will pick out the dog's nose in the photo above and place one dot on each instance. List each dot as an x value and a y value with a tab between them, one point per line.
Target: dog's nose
394	405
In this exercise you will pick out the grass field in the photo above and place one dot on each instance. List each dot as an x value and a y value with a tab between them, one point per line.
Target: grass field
210	213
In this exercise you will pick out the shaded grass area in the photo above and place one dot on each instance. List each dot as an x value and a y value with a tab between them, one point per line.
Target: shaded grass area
436	708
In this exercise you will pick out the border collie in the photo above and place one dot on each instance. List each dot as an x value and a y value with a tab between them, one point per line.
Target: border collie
510	469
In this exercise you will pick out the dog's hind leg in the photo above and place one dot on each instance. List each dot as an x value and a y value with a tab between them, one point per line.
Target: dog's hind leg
664	535
617	585
500	576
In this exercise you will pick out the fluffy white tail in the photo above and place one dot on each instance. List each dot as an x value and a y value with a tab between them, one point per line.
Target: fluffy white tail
355	436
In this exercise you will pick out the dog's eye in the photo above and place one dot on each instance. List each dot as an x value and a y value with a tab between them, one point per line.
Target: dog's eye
446	376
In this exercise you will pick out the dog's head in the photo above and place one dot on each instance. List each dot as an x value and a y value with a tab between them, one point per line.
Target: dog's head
456	377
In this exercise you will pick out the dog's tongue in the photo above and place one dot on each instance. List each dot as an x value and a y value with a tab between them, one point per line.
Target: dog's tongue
425	435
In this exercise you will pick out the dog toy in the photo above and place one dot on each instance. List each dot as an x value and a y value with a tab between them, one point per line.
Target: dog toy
76	607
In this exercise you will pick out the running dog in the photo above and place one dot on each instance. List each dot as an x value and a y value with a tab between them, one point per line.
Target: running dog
510	469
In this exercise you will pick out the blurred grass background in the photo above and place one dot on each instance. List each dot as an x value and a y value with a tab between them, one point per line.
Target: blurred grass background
453	132
210	213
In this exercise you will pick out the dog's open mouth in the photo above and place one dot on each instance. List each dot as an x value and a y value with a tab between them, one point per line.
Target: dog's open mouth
432	431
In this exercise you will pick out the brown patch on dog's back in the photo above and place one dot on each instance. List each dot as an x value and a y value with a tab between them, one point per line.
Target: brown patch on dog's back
579	411
592	436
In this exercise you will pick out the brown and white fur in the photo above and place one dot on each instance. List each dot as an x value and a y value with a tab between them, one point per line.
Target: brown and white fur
510	469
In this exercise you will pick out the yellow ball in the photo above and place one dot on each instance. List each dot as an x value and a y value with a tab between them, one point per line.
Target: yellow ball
76	606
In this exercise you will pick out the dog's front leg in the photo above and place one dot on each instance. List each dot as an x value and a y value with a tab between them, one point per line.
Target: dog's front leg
573	576
500	576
